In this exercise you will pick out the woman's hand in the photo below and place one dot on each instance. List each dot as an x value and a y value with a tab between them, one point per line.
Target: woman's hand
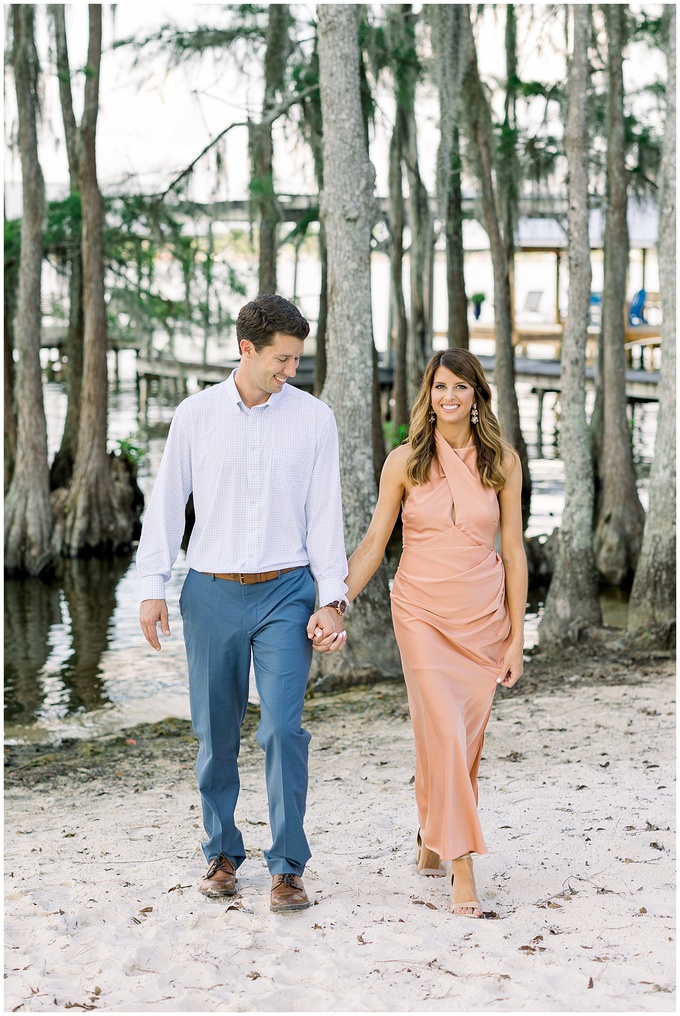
513	666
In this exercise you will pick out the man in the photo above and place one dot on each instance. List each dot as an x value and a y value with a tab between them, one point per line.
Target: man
261	459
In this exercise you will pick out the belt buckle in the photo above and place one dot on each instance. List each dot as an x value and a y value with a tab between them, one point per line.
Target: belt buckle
241	577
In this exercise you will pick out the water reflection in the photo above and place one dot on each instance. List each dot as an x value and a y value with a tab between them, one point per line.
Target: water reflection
32	609
90	594
55	637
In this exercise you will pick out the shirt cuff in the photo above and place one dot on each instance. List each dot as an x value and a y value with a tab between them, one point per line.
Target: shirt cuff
152	587
331	589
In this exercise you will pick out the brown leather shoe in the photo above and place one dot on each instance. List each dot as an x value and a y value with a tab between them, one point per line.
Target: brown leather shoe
288	894
220	879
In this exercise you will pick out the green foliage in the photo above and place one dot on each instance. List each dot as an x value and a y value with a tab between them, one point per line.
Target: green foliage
12	244
540	156
478	298
394	436
129	451
63	225
138	231
301	228
247	23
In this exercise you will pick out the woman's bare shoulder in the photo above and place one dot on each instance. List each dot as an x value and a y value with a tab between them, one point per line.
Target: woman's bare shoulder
510	460
394	470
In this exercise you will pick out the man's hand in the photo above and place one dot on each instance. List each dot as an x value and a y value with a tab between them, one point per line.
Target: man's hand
150	613
326	628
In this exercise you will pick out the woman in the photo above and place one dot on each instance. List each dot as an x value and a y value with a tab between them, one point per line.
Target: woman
458	608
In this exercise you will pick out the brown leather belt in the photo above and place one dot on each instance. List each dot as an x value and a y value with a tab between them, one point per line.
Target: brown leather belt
250	579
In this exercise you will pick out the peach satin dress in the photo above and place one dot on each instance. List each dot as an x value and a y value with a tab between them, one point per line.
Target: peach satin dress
452	627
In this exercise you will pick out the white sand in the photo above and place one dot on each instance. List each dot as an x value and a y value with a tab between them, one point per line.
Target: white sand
577	795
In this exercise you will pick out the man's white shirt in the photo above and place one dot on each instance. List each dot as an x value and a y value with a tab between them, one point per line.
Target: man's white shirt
266	486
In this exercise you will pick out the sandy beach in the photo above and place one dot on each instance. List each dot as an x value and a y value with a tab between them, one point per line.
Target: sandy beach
102	859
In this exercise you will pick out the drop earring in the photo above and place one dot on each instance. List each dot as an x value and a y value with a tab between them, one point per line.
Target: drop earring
432	415
474	415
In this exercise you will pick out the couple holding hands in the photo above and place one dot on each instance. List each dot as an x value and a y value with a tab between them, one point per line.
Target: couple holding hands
261	459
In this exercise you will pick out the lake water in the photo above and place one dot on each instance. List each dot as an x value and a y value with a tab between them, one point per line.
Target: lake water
76	663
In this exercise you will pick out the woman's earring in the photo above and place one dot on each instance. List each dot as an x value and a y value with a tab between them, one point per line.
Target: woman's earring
432	416
474	415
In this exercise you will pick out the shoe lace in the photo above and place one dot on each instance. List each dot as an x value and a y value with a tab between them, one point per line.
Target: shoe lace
288	878
219	863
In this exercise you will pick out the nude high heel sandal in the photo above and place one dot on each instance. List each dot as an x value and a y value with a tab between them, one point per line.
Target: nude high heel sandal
429	863
474	904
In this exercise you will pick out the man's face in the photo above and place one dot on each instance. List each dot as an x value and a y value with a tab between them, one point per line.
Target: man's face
266	372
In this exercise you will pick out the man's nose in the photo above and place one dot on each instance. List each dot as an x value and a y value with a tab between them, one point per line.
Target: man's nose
291	370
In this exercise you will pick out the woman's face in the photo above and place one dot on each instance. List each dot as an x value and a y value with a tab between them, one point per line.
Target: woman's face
451	397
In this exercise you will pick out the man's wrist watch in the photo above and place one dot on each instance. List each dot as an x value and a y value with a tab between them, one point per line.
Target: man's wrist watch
339	605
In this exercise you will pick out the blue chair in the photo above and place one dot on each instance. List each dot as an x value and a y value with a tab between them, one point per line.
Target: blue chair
636	308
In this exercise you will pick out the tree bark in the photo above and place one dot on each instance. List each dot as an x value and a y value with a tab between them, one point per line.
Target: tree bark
402	24
445	24
400	410
421	260
312	126
322	320
459	330
618	536
572	600
94	515
652	598
508	163
262	149
347	208
28	513
62	466
10	429
478	117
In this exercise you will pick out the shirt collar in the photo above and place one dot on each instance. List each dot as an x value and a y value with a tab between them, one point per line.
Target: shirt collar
235	397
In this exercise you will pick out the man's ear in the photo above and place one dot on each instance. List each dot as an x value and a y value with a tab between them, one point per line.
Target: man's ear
246	347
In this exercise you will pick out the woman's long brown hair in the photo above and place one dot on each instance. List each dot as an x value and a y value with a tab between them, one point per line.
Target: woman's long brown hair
486	434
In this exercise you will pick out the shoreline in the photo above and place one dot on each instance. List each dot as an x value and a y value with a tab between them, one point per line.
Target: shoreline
102	858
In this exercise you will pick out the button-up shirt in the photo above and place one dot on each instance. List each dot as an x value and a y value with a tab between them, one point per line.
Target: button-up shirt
266	486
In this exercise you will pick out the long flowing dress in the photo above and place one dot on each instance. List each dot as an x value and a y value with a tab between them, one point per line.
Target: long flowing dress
452	627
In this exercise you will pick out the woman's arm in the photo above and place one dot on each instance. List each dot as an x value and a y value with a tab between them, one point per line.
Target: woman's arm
515	564
366	559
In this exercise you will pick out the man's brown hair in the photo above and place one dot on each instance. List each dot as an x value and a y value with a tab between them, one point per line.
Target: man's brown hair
263	317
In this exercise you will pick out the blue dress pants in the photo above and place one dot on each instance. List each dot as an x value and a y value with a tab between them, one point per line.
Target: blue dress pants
224	622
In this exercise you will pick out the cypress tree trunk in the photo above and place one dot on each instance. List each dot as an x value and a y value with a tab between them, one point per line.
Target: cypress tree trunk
421	259
261	146
322	321
618	536
62	466
400	411
28	513
478	118
459	330
508	163
445	33
8	311
94	515
421	251
652	599
572	598
347	207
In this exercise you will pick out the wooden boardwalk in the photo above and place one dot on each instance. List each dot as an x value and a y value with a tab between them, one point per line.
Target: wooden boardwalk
542	375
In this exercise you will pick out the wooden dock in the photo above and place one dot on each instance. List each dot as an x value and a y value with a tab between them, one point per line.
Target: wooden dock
543	375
